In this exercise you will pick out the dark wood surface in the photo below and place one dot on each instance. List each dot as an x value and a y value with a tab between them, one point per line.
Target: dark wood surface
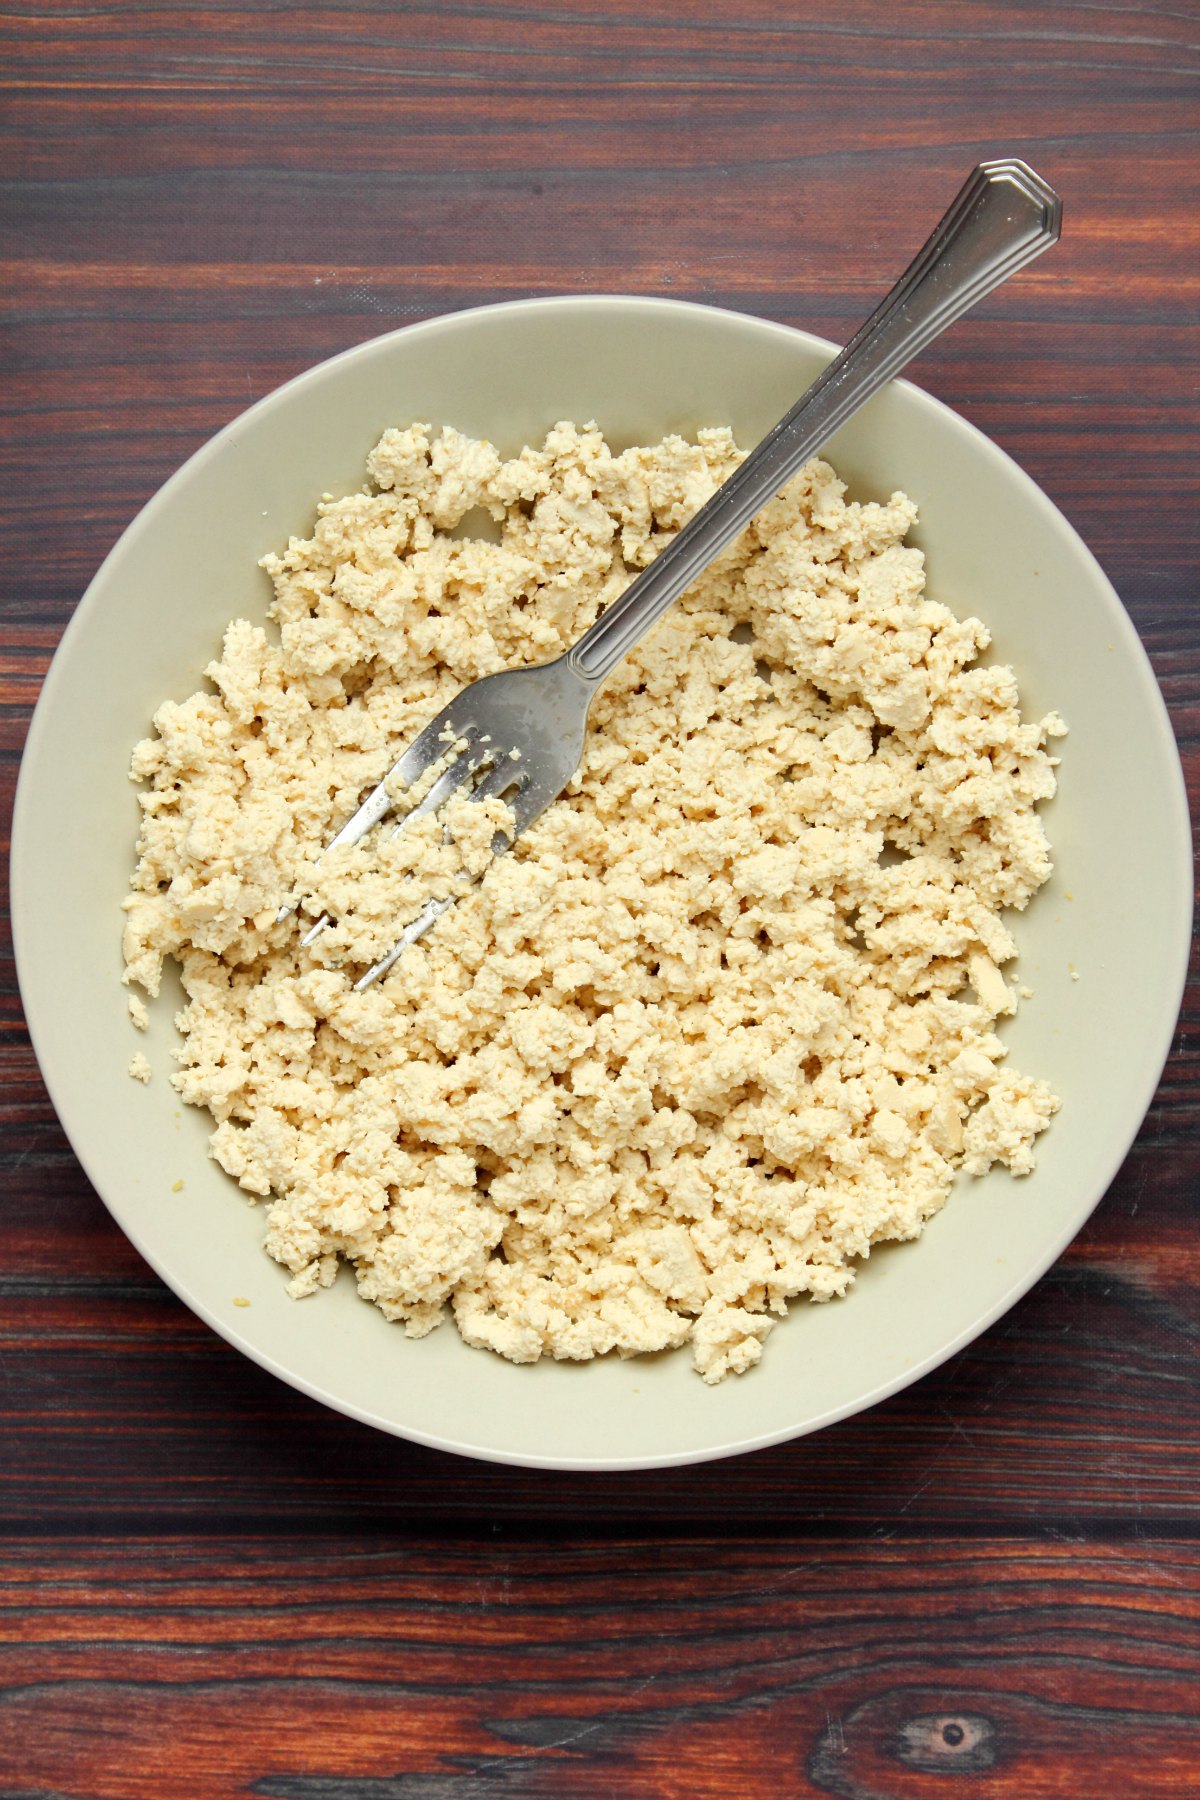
211	1586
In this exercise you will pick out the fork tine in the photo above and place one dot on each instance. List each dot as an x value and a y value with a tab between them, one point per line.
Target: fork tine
416	928
522	732
375	807
499	780
443	789
427	747
460	771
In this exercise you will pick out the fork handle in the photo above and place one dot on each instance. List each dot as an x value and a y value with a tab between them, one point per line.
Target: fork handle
1003	217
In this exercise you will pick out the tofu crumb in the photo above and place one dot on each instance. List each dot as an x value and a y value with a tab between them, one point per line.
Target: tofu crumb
723	1019
177	1187
138	1012
139	1068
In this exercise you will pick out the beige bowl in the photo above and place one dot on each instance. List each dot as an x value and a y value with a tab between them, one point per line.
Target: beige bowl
1116	914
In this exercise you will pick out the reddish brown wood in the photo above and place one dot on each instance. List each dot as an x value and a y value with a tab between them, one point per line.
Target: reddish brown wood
196	203
348	1671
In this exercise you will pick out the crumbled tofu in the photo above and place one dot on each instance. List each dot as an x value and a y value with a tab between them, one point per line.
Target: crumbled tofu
990	986
724	1017
138	1012
139	1068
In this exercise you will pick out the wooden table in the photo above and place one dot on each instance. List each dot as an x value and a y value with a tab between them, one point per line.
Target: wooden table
211	1586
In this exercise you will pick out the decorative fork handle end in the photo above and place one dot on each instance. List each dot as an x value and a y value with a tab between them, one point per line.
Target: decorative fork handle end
1045	206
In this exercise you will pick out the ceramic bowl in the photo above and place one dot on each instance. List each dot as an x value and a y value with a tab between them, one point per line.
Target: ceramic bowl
1103	946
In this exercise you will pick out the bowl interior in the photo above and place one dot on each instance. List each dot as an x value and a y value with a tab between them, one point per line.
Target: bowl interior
1105	941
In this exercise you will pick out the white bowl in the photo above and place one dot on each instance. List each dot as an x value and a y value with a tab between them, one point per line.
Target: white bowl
1116	914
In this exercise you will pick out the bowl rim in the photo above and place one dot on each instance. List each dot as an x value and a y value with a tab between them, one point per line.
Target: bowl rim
23	901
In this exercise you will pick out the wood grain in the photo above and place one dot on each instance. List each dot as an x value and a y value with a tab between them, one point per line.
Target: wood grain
209	1584
700	1667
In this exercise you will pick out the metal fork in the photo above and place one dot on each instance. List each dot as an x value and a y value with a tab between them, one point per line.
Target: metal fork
1003	217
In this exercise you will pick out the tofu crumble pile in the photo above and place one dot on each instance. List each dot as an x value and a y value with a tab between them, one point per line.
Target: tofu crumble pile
722	1020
